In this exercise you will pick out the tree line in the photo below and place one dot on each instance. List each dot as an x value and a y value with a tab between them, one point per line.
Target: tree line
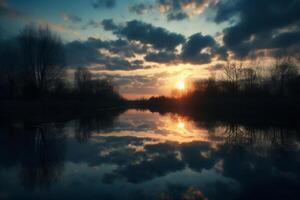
33	66
250	92
240	91
281	80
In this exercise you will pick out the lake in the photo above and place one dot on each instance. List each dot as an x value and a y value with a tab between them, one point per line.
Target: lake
143	155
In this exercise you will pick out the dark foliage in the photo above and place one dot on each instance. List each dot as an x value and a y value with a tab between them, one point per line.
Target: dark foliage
250	93
32	69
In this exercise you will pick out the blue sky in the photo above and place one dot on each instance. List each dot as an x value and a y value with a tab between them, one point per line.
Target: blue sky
53	10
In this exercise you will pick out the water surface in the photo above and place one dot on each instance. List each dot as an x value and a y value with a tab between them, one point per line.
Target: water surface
144	155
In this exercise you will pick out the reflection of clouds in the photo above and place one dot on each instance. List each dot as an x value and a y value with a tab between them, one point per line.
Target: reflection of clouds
141	142
145	155
156	128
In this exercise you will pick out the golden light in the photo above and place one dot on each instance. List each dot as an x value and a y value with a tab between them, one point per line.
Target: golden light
180	85
181	125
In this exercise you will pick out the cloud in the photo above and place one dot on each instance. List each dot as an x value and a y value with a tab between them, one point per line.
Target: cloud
115	57
104	4
199	49
182	9
145	33
79	54
178	16
152	165
140	8
109	25
162	57
139	42
119	46
70	17
256	20
92	23
6	10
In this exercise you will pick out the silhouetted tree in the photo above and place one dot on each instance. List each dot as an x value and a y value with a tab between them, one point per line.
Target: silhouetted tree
101	90
233	73
82	81
250	77
282	73
42	55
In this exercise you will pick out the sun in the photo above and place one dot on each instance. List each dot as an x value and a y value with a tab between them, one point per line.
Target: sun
180	85
181	125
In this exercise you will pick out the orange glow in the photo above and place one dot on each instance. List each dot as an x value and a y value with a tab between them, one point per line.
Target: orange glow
180	85
181	125
168	128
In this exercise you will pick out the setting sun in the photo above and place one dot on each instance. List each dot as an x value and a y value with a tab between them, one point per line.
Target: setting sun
180	85
181	125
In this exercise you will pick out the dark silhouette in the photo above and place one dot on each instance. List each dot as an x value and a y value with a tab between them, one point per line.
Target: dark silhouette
42	60
33	78
39	149
241	93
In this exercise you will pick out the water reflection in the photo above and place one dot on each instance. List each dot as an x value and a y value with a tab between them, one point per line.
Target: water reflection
36	150
143	155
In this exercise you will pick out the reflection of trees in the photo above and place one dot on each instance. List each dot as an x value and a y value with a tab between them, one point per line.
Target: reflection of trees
86	126
235	134
43	156
40	151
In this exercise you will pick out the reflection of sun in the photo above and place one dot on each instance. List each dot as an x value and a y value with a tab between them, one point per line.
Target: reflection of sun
180	85
181	125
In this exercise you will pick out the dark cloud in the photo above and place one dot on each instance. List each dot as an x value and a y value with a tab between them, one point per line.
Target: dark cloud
193	49
81	54
161	161
155	44
163	43
70	17
158	37
196	43
109	25
140	8
104	4
194	159
119	63
161	57
258	20
178	16
6	10
119	46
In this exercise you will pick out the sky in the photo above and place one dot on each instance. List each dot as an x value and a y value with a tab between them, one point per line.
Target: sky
147	46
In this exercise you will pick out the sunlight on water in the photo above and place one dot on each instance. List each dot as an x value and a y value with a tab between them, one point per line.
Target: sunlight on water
158	129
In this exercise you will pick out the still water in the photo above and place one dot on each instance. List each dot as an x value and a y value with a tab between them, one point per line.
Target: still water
144	155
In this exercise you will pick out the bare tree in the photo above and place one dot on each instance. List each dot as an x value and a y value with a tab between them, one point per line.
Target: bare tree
43	57
233	73
283	72
82	80
86	86
250	77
